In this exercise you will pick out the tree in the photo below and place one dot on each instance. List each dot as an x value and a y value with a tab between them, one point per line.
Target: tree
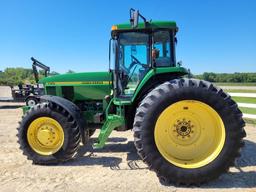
14	76
228	77
70	71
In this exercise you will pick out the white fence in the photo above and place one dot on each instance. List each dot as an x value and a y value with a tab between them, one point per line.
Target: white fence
247	105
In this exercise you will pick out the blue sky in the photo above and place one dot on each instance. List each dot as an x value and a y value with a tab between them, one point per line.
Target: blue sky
216	35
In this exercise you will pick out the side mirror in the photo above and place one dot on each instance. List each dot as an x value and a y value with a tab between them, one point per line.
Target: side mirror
134	18
179	63
112	53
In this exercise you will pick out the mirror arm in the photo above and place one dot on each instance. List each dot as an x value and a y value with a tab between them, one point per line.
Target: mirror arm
133	18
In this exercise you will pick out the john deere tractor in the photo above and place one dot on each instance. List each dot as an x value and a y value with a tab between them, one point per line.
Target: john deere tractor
186	130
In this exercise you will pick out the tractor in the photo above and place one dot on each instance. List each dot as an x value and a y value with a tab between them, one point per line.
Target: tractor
188	131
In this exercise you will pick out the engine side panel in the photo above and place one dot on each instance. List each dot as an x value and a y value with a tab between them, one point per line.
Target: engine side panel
86	90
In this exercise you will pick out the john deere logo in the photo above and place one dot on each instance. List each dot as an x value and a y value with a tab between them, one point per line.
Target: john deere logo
81	83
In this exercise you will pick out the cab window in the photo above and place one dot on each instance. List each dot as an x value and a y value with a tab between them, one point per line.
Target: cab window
161	49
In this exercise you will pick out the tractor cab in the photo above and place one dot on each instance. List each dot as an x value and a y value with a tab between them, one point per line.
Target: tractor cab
138	48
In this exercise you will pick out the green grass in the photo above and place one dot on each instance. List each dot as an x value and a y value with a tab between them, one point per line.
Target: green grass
245	109
244	99
235	84
239	91
250	121
248	110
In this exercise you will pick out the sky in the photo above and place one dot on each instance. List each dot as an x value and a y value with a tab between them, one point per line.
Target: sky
214	35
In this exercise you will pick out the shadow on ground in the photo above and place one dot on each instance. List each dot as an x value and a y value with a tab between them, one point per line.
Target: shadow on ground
240	178
10	106
86	155
235	179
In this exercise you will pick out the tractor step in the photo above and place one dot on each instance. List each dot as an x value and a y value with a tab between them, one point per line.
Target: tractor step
111	123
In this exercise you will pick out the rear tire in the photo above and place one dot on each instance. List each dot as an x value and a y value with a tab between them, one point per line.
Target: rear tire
32	146
168	169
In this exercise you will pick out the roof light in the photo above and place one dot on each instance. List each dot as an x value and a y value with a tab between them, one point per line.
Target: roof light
114	27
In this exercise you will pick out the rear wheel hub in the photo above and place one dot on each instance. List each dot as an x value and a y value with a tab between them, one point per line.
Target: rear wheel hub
189	134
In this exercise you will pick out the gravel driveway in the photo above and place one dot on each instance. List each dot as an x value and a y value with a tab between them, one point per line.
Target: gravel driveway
114	168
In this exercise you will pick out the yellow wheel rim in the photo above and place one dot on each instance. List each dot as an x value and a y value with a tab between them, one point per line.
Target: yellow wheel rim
189	134
45	136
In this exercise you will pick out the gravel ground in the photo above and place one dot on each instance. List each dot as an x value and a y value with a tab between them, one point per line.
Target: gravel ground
114	168
5	91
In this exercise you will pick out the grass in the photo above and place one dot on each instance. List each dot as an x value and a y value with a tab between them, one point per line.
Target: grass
248	110
239	91
250	121
244	99
235	84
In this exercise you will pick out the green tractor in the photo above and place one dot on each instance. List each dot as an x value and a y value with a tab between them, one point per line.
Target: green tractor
186	130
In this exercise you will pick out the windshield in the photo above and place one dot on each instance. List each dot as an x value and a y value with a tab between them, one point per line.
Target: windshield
134	60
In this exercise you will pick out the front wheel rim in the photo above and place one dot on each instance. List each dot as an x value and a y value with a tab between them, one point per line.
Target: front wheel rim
45	135
189	134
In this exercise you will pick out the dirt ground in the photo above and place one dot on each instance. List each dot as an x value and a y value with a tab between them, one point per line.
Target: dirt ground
5	92
114	168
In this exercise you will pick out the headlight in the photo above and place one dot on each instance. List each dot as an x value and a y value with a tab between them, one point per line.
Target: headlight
41	86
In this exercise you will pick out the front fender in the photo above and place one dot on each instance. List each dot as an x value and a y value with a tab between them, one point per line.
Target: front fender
71	108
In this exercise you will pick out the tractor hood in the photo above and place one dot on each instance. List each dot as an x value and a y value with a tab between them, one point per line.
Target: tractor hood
78	78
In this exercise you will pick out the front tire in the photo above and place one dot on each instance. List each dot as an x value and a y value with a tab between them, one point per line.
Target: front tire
91	132
188	131
48	134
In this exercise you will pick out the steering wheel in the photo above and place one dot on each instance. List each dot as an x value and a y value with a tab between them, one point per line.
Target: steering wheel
136	62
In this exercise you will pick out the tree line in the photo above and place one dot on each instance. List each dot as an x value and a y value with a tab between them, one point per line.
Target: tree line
15	76
19	75
228	77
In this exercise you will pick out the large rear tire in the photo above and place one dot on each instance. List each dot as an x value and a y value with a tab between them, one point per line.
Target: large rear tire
48	134
188	131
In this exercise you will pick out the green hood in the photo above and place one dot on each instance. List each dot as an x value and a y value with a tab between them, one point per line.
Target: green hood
76	78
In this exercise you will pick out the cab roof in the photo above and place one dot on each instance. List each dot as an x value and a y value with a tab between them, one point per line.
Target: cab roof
150	25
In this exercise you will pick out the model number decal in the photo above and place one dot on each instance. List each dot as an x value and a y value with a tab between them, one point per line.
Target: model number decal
81	83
